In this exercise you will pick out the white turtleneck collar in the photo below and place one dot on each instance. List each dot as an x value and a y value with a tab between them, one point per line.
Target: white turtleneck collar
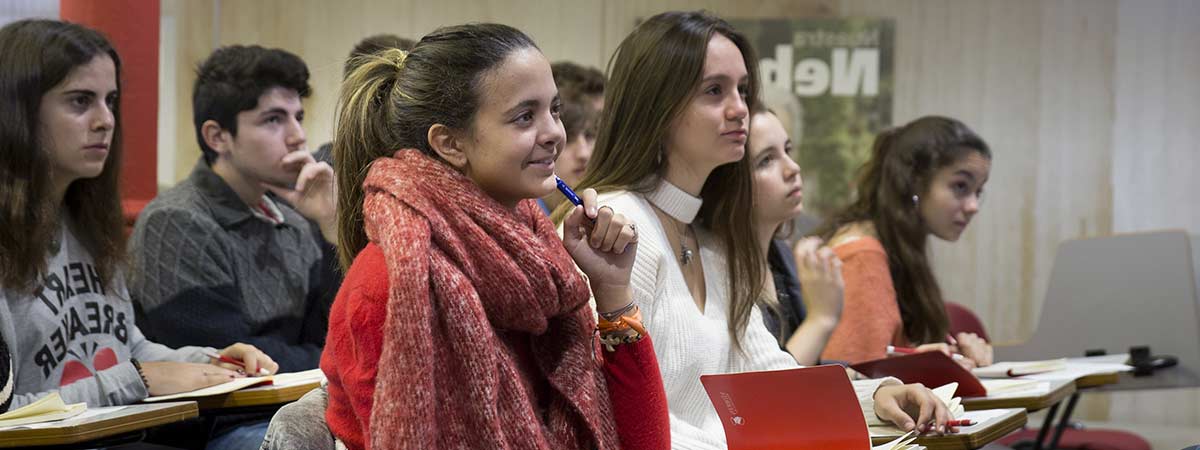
674	201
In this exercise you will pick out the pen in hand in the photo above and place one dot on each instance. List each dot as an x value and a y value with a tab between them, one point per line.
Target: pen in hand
567	192
228	360
574	199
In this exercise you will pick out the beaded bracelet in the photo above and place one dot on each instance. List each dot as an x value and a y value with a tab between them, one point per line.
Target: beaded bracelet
614	315
611	340
138	365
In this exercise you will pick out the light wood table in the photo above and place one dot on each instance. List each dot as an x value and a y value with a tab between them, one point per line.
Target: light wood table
970	437
1059	390
257	396
90	428
1096	380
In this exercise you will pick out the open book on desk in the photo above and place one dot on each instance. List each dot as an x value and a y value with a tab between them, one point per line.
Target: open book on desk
279	380
937	369
46	409
987	426
803	408
943	393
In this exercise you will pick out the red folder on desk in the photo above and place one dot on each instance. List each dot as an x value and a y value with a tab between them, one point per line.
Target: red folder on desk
806	408
930	368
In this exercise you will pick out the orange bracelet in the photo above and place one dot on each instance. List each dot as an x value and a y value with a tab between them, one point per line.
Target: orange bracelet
618	332
623	323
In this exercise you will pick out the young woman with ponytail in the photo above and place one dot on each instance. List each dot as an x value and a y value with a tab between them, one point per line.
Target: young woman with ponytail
923	178
463	320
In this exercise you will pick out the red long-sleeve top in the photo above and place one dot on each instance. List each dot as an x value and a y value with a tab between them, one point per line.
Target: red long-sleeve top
355	342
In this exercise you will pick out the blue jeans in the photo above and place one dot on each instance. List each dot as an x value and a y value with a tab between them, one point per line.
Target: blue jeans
248	436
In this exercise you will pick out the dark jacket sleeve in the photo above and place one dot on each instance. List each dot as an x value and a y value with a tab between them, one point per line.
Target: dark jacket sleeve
325	279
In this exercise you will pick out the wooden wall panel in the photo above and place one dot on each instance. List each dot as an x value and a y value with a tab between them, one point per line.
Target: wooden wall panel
1156	156
996	66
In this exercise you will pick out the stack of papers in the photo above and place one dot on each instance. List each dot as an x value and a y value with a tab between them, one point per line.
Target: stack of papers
298	378
1020	387
1050	370
901	443
1019	368
47	409
278	380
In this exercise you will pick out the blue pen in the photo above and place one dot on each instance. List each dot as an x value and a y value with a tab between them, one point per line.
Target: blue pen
567	192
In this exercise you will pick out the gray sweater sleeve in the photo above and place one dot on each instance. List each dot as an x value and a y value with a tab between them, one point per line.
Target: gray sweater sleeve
115	386
120	384
6	375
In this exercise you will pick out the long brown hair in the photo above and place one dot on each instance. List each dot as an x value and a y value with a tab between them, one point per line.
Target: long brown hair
903	161
652	78
769	301
38	55
392	98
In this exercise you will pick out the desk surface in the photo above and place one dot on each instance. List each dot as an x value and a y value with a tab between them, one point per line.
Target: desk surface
968	438
89	428
1100	379
1059	390
258	396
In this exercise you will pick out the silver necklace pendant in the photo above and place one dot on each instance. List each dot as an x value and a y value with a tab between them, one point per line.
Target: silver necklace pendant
685	254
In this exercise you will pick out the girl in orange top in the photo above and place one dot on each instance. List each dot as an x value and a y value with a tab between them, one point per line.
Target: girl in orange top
924	178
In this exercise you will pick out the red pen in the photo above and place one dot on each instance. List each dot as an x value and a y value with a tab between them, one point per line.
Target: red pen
893	350
960	423
228	360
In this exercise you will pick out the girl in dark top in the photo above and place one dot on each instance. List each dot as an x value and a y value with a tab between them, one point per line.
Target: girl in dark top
802	298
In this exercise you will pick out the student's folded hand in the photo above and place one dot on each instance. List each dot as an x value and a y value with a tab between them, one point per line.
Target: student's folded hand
169	377
315	192
912	406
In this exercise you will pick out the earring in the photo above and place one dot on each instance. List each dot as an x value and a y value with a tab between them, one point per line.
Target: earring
916	200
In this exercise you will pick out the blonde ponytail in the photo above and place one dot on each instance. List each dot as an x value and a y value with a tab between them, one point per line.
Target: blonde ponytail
364	132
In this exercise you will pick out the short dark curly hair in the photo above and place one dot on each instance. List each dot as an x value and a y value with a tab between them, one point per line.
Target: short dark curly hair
233	78
578	86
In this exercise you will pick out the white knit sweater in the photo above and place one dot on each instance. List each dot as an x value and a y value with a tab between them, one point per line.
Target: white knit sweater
690	343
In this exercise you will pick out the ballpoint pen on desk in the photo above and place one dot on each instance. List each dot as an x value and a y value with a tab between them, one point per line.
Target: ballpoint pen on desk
893	350
226	359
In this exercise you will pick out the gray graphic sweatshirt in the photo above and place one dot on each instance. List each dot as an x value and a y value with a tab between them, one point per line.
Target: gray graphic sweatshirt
75	334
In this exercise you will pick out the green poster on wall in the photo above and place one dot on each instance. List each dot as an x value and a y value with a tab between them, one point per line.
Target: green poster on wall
830	82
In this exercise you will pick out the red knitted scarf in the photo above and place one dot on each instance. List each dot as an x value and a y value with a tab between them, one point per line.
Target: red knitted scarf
486	299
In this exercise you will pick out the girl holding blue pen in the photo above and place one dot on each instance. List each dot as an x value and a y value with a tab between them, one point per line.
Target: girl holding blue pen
463	319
